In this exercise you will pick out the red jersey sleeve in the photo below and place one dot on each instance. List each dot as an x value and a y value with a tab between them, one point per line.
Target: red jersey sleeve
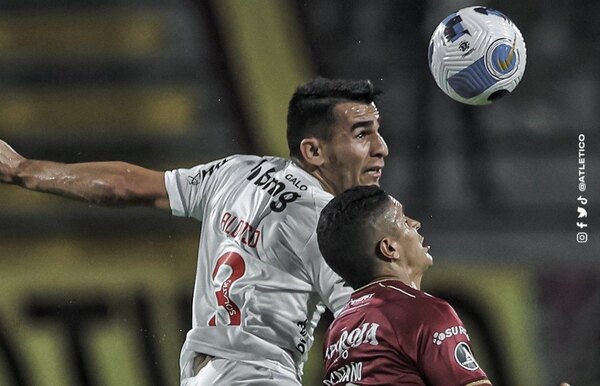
444	354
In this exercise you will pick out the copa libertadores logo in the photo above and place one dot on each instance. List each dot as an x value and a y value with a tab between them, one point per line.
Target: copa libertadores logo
502	58
464	357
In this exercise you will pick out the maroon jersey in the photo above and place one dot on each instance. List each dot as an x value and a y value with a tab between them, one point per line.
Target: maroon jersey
392	334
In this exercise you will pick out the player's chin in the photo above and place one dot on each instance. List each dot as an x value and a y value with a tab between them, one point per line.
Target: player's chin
429	259
371	179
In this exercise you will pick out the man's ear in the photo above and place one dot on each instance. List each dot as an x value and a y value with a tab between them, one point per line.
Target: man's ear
312	151
388	248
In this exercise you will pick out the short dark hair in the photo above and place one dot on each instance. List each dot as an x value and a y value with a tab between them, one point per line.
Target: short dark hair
310	111
347	232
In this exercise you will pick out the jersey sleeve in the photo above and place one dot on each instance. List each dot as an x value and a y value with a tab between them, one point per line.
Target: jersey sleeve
187	188
445	354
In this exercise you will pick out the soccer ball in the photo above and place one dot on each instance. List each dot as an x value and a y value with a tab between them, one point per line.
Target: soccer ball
477	55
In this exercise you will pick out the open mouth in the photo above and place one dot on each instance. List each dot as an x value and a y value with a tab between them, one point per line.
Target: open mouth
375	171
424	246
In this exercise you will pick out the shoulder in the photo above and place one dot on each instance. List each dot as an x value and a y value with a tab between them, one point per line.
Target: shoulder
402	302
433	309
234	161
436	316
242	167
241	160
308	196
214	167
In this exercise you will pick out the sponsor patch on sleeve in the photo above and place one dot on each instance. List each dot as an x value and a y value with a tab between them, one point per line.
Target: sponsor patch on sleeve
464	357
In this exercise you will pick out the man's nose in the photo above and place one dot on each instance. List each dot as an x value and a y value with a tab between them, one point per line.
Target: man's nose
380	148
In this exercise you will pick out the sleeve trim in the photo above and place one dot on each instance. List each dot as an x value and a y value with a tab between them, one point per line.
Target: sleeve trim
175	201
480	382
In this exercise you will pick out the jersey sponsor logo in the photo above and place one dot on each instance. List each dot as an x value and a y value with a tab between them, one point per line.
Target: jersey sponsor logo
239	229
440	336
367	333
302	343
263	178
195	180
464	357
296	182
229	268
352	372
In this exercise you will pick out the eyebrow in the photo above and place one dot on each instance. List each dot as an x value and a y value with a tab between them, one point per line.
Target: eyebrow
361	124
401	210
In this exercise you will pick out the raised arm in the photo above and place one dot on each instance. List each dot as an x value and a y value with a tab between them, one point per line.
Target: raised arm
102	183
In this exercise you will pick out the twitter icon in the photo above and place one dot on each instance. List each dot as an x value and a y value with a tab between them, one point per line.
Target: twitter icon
582	212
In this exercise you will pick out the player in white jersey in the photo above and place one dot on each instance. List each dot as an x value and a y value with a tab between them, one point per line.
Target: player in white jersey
261	250
261	283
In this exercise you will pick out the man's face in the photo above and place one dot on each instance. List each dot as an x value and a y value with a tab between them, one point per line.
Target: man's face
355	154
406	233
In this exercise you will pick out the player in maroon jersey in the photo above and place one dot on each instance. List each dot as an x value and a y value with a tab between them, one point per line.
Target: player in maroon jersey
390	332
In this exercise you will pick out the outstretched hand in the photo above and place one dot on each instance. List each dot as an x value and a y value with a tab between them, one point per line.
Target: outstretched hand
9	162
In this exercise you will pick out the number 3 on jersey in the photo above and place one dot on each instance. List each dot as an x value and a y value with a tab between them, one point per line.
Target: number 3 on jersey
229	268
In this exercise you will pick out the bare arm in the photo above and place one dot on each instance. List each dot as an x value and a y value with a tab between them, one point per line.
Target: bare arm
102	183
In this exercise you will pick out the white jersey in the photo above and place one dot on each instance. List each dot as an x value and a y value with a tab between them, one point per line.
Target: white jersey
261	283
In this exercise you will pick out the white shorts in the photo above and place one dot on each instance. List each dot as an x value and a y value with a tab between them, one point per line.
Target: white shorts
225	372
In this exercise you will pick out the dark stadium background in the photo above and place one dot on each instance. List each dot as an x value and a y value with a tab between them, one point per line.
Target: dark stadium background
92	296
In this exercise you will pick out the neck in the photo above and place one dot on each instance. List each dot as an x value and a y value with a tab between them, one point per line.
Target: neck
416	283
413	280
315	172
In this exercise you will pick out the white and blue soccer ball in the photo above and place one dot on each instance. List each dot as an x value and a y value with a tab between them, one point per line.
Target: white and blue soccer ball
477	55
